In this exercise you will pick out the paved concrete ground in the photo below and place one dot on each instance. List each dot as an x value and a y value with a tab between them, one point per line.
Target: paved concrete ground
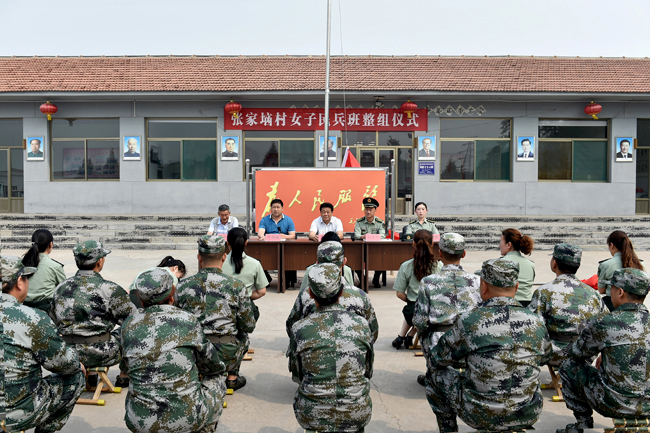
265	404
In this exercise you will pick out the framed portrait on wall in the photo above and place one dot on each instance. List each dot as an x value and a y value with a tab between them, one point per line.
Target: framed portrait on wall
525	148
35	147
427	148
624	149
132	148
331	148
230	148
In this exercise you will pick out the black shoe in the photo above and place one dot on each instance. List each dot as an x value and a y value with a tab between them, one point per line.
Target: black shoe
584	422
92	380
122	381
376	285
409	342
236	384
421	379
397	343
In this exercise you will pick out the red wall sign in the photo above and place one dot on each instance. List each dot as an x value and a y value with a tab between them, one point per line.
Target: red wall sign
308	119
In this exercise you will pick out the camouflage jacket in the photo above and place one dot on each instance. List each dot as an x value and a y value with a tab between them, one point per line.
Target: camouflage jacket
87	305
623	340
165	350
31	342
218	301
565	304
442	298
335	357
504	346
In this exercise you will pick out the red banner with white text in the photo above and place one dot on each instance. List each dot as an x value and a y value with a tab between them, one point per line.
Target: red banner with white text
312	119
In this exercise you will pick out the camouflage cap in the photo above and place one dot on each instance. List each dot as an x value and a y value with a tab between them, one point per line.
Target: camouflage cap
12	267
89	252
330	252
324	280
452	243
212	244
500	272
154	285
631	280
567	253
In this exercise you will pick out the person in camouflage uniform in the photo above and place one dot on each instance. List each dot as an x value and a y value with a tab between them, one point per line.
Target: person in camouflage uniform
31	343
444	296
566	303
504	345
347	271
617	387
333	348
177	378
221	305
86	308
352	299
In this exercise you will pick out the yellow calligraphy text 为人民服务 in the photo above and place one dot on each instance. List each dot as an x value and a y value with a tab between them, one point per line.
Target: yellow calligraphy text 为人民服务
271	195
317	200
370	193
295	199
344	197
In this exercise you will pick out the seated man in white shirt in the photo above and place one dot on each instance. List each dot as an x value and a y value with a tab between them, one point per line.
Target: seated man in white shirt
326	222
224	222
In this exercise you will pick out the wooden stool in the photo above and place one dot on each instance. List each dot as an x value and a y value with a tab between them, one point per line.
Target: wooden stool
555	384
416	345
625	425
103	380
247	357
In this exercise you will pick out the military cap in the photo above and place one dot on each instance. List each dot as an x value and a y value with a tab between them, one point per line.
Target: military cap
154	285
12	268
452	243
330	252
370	202
500	272
324	280
89	252
212	244
567	253
631	280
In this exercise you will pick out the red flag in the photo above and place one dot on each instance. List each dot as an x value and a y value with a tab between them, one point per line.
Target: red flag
349	160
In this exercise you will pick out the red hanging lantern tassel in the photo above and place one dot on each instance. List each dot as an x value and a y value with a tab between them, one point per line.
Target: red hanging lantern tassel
409	108
593	109
233	108
49	109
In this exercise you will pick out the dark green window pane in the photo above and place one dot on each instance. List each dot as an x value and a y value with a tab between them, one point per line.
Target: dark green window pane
68	160
546	131
279	134
366	158
164	159
554	160
17	173
493	160
396	139
359	138
200	159
4	174
85	128
475	128
181	129
262	153
296	153
457	160
11	133
103	159
590	161
404	172
642	173
643	132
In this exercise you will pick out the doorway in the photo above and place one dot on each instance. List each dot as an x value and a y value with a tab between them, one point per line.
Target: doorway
12	180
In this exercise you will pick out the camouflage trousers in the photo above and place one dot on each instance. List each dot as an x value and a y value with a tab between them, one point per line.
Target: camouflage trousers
348	414
584	392
233	354
103	354
55	399
444	389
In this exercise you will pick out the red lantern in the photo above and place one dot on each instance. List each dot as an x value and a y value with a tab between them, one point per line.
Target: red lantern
233	108
409	108
593	109
49	109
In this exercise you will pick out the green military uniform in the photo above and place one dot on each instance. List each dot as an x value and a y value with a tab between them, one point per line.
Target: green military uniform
606	269
31	343
165	354
415	225
503	345
526	275
86	308
618	388
363	227
252	274
43	283
406	282
334	356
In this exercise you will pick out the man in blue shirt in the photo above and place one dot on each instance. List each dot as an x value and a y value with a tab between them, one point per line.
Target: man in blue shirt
277	222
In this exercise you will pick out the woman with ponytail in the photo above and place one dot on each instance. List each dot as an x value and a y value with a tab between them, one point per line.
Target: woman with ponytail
176	269
623	256
49	272
512	246
243	268
407	283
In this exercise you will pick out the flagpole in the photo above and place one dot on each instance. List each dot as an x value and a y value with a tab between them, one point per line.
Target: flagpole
327	84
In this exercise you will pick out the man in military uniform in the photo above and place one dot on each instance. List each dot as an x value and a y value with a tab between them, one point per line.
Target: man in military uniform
566	303
32	343
221	306
504	345
86	308
370	224
334	354
165	353
443	297
617	387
